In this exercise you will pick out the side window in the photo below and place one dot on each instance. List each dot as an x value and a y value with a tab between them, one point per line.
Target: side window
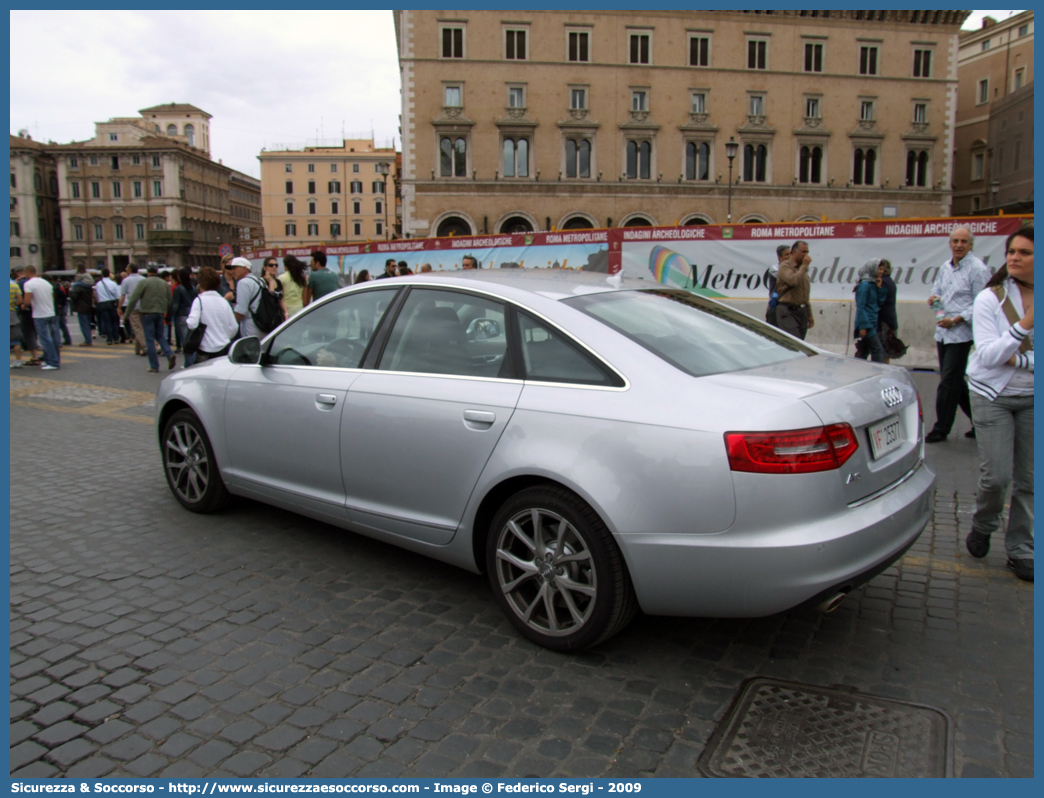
550	357
448	332
334	335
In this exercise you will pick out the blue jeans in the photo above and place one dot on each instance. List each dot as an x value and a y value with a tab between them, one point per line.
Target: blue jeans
1004	435
48	332
85	326
181	330
153	326
63	327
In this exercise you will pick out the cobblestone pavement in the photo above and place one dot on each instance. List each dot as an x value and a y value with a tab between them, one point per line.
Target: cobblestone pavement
147	641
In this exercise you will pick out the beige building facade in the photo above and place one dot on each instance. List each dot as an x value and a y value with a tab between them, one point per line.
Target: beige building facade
531	120
328	195
133	194
994	128
36	231
244	199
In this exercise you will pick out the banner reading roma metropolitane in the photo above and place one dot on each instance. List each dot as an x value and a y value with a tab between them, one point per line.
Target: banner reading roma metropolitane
726	261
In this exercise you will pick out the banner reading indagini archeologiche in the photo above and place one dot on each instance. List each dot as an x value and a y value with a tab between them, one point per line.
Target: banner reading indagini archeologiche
729	261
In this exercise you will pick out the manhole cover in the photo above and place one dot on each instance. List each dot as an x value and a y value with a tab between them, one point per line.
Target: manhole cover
790	730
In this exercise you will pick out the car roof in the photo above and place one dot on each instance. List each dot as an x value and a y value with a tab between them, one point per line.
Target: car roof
553	284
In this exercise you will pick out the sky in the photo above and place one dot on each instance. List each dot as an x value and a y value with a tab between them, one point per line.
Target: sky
269	79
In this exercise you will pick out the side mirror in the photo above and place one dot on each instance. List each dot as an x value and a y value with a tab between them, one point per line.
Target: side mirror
245	350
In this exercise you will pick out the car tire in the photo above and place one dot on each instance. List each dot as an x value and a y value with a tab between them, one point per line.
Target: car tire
564	586
189	464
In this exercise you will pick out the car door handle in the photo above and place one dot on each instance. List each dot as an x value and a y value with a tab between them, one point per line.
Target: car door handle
325	399
483	417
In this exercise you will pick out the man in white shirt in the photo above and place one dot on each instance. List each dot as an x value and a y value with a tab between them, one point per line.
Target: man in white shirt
130	282
39	295
107	296
248	289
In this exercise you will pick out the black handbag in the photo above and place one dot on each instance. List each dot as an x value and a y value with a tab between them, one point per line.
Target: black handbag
195	336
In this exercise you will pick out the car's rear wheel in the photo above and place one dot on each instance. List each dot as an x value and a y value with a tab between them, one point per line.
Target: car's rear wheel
556	571
188	462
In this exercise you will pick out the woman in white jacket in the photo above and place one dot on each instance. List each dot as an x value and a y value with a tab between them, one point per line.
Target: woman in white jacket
213	310
1000	376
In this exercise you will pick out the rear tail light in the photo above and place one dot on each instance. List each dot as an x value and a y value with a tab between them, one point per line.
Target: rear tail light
800	451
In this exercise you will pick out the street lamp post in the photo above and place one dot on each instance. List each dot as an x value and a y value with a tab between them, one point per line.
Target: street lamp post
383	170
731	148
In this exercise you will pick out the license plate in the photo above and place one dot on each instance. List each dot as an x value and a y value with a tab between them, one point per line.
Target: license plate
885	436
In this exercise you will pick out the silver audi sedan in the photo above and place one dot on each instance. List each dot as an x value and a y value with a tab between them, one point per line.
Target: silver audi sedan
594	446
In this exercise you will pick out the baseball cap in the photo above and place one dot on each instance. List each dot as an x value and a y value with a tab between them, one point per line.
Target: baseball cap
240	262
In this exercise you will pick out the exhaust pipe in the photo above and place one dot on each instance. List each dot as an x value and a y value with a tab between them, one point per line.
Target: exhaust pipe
831	603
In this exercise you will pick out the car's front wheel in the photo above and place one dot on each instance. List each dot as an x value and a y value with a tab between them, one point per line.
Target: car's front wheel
556	571
189	464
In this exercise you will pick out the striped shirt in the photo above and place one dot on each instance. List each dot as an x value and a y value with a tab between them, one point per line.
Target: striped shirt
957	287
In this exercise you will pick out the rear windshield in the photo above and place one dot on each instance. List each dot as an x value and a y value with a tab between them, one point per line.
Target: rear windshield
695	334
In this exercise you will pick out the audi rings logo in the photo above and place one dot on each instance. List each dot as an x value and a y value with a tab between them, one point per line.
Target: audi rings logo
892	396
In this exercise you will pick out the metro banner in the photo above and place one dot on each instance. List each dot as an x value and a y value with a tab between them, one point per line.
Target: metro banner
723	261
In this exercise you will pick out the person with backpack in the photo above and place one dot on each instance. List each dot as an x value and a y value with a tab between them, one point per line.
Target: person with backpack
211	311
1000	379
257	309
81	297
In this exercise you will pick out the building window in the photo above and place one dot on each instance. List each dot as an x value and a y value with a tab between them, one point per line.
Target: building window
311	186
356	206
864	166
578	158
99	234
94	160
639	160
810	165
983	93
313	228
136	160
986	45
453	157
579	46
755	163
757	54
113	137
16	228
917	168
1023	30
866	110
75	187
451	98
378	186
699	51
117	232
516	157
136	188
515	45
159	226
114	161
922	67
333	167
334	187
155	162
453	42
14	181
78	232
639	48
172	130
311	167
190	134
117	190
289	207
335	229
357	228
868	60
699	102
291	228
1020	77
379	226
578	99
639	100
697	160
157	188
378	207
976	203
812	107
813	57
355	168
288	167
289	186
139	231
74	162
357	187
95	190
920	115
978	165
37	181
756	105
16	252
516	97
311	207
